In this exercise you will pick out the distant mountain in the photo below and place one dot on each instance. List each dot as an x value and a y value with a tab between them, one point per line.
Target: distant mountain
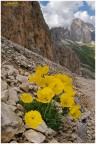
90	26
75	40
78	31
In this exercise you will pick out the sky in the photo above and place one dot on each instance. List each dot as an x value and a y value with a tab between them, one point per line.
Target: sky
61	13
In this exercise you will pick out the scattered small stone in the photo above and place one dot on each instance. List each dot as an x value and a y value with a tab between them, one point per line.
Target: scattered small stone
42	127
51	132
53	141
13	107
3	85
21	78
24	86
11	77
20	107
74	135
19	113
13	142
17	89
13	95
26	73
11	102
4	96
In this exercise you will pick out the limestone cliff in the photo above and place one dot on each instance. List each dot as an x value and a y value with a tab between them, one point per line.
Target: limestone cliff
24	24
79	31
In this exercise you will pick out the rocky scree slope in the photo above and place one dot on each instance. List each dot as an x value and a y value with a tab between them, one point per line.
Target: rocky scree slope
17	64
26	26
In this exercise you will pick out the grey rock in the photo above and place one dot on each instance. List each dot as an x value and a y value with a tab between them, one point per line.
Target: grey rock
11	77
42	127
54	141
4	96
13	107
26	73
50	131
10	69
74	135
13	142
11	124
24	86
20	107
33	136
11	102
3	85
85	115
13	95
21	78
82	131
17	89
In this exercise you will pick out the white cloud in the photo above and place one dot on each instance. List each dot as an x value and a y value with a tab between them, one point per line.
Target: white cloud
60	13
85	17
91	4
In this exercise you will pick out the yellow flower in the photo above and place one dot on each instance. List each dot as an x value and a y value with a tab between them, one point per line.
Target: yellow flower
26	98
69	90
32	78
45	95
41	82
41	70
75	112
64	78
57	86
33	119
38	79
49	79
66	100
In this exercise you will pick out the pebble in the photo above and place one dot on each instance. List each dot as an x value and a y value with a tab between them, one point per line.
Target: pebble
74	135
20	107
13	95
13	142
3	85
11	102
4	96
24	86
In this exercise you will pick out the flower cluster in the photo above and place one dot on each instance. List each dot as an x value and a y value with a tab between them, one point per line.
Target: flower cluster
50	87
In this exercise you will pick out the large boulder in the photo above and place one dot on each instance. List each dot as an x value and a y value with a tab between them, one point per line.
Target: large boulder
11	124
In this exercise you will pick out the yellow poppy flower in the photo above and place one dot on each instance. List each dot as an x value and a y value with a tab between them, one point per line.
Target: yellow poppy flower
41	82
64	78
41	70
57	86
75	112
45	95
32	78
66	100
49	79
69	90
26	98
33	119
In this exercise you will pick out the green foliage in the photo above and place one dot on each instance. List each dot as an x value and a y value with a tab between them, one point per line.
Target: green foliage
49	112
86	54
